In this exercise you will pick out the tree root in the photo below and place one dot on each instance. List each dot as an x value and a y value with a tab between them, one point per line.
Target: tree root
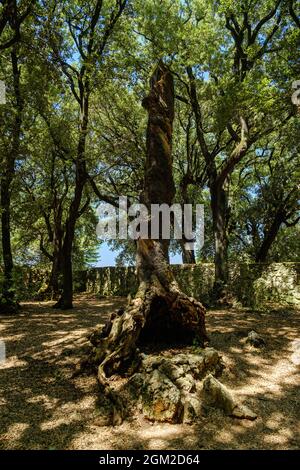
153	313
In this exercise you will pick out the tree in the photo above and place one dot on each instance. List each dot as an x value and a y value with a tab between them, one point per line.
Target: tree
84	29
12	16
267	197
9	157
159	306
240	125
229	74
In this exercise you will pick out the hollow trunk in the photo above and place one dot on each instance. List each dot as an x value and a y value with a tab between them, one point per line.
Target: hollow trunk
159	310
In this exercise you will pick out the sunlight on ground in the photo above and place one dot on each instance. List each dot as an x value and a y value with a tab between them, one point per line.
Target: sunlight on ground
41	407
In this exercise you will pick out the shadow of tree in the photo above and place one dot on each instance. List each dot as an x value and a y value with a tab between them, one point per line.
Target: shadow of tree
41	406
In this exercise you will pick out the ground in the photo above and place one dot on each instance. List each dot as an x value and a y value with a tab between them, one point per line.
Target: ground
43	407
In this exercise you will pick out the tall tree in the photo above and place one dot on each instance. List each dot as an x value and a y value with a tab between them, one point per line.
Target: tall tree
159	307
240	125
9	157
91	41
267	196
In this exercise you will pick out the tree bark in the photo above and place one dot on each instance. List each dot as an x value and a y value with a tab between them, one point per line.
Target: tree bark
56	269
217	179
12	16
159	309
53	287
55	237
219	208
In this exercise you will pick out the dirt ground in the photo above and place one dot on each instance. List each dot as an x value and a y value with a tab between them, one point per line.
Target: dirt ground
43	407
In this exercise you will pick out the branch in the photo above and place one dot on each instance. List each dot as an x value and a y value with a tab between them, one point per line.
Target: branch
293	223
237	154
44	251
264	49
181	98
198	116
84	207
102	197
9	15
263	21
120	6
293	13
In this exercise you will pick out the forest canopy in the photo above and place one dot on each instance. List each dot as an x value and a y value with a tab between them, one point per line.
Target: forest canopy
73	127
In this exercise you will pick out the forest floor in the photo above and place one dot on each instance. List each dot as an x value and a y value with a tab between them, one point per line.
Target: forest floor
43	407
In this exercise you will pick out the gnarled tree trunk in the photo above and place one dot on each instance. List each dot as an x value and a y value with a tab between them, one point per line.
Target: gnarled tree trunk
159	308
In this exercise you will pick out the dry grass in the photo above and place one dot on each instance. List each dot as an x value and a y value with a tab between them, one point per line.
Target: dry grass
42	407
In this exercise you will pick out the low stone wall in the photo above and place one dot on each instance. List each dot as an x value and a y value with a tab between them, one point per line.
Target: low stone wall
252	284
106	281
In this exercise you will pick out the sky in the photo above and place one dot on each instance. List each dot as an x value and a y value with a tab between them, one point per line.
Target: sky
107	257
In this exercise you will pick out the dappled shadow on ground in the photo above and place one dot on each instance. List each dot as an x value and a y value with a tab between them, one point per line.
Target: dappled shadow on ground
43	407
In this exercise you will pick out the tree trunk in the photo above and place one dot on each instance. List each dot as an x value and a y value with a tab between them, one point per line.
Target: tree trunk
66	300
159	310
269	237
54	286
56	270
7	301
54	281
220	218
188	256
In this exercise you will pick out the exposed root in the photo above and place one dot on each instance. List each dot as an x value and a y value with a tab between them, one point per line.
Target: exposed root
153	313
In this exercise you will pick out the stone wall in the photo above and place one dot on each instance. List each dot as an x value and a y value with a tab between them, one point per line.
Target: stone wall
251	284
